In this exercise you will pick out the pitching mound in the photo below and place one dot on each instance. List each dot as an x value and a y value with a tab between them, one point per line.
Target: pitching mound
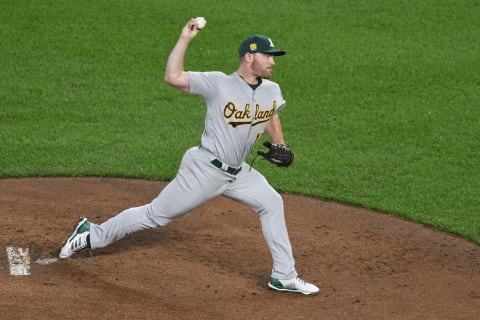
213	263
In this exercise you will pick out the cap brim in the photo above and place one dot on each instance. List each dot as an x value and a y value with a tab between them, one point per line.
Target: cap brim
276	52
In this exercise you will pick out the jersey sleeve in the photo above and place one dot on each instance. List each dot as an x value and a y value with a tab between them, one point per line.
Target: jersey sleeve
281	103
203	83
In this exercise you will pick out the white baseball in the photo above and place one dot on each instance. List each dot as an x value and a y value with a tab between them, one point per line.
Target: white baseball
200	22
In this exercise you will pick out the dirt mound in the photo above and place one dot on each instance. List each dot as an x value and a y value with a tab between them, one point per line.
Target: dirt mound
214	264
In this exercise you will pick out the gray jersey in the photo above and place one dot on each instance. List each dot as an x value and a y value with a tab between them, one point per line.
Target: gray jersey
236	114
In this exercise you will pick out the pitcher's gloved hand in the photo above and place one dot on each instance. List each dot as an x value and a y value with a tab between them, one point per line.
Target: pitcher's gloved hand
277	154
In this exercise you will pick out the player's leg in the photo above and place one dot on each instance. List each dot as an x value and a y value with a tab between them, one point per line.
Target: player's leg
196	182
252	189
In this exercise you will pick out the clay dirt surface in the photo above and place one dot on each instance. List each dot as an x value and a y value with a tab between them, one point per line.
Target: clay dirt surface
213	263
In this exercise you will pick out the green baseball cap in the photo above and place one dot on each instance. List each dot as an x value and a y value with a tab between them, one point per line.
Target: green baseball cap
258	43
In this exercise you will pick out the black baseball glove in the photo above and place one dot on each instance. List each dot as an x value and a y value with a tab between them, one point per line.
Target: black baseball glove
277	154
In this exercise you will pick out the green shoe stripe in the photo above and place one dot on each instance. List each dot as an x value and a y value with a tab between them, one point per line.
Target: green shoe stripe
84	227
276	283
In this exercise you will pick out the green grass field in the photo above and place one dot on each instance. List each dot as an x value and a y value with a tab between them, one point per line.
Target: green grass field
383	96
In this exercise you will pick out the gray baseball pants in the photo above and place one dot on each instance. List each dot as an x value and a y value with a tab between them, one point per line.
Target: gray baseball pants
196	182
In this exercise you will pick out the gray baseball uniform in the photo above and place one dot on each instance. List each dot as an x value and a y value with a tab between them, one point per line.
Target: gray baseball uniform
236	116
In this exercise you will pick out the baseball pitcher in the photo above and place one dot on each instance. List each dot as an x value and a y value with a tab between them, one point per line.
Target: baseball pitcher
239	108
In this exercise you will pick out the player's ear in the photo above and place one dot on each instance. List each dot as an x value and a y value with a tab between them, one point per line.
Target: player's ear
248	57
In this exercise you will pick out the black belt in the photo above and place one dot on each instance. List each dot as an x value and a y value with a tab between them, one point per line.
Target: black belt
217	163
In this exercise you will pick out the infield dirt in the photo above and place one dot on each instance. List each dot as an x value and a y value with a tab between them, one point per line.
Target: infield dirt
213	263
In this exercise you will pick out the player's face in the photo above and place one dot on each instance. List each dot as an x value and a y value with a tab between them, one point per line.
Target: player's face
262	65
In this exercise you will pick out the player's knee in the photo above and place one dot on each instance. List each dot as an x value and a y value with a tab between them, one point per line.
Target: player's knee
273	203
